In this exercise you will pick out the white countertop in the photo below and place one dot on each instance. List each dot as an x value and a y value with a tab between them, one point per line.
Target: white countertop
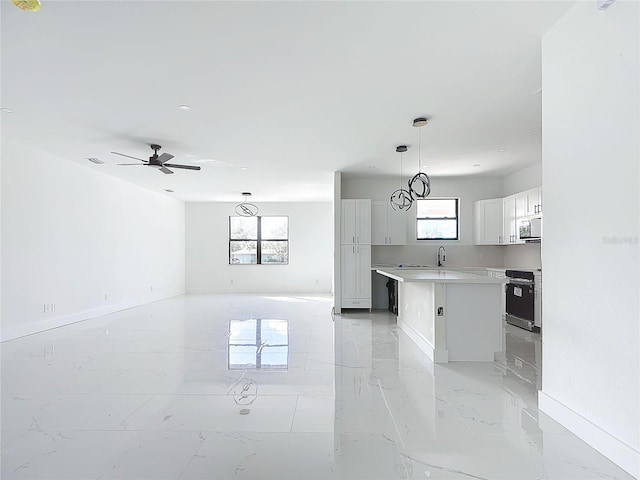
436	276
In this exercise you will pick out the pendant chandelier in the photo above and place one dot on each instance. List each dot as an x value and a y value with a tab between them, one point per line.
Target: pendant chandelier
246	209
419	185
401	198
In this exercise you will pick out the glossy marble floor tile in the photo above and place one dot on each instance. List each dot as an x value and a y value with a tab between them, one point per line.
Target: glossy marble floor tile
269	387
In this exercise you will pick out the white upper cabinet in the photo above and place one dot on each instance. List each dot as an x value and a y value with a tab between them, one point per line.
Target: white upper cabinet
488	218
511	206
355	222
388	227
533	201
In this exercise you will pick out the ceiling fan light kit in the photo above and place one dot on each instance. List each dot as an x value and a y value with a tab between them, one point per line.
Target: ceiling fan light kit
246	209
157	161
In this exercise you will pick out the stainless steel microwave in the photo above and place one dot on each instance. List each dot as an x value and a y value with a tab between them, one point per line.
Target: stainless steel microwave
530	229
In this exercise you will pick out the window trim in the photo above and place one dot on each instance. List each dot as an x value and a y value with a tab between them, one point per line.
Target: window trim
456	218
258	240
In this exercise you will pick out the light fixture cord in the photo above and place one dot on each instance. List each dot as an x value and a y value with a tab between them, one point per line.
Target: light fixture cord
400	170
419	149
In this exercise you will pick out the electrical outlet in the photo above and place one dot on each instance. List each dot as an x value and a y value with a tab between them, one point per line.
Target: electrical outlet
151	288
231	281
45	308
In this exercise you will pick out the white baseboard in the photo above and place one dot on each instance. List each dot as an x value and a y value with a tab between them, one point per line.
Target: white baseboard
623	455
436	356
40	326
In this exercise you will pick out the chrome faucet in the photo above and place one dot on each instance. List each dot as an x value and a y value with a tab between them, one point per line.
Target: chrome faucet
443	257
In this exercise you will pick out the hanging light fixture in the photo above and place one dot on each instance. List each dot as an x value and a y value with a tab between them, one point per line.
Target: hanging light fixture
246	209
420	184
401	198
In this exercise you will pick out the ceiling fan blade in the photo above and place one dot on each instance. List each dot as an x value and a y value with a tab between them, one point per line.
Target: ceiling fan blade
133	164
165	170
165	157
129	156
187	167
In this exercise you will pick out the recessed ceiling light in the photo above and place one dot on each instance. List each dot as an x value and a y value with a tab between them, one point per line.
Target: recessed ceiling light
501	150
184	108
95	160
168	190
243	168
6	110
476	164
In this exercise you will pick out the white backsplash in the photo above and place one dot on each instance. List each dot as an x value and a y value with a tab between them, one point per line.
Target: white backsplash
522	256
513	256
456	255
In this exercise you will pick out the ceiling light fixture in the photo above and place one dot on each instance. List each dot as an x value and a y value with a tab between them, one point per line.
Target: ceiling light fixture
168	190
95	160
476	164
420	184
184	108
27	5
501	150
243	168
246	209
6	110
401	198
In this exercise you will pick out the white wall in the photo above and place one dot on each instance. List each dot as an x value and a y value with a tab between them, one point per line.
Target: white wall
71	235
459	253
591	359
525	179
310	250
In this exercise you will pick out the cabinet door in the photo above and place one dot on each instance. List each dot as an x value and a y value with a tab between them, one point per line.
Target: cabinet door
363	221
532	201
521	211
363	276
509	215
488	219
396	226
348	222
379	223
348	271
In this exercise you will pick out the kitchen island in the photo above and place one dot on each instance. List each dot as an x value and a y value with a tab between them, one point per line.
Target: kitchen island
450	315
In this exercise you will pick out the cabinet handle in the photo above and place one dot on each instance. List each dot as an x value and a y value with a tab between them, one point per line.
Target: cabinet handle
353	239
358	239
353	249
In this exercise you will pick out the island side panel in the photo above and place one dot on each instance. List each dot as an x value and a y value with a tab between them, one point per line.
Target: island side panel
416	314
474	321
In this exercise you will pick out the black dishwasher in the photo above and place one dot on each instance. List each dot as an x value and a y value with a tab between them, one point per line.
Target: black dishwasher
520	299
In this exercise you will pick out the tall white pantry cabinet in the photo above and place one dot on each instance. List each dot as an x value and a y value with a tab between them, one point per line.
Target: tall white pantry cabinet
355	253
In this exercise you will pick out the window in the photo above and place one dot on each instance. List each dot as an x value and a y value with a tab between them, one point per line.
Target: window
437	219
258	240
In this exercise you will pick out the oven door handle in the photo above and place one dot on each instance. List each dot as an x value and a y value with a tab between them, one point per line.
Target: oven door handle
526	283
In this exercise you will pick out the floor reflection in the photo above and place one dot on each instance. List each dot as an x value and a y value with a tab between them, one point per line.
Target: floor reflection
284	390
258	343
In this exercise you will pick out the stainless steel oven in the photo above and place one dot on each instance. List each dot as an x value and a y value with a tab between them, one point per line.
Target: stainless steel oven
520	299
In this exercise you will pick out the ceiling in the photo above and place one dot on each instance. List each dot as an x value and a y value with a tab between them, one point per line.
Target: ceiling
291	91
